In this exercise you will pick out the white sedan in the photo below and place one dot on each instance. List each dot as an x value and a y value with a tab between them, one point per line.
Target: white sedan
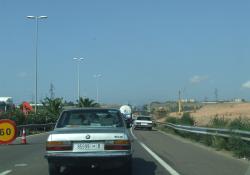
143	122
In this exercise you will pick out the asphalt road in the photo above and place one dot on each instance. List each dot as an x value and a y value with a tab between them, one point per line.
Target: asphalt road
184	157
189	158
17	159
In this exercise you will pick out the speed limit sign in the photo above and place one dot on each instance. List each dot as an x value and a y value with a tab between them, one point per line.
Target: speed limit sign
8	131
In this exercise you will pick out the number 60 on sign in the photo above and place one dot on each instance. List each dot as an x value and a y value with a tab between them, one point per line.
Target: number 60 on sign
8	131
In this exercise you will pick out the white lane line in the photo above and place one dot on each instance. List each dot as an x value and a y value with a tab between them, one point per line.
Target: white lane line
21	165
6	172
156	157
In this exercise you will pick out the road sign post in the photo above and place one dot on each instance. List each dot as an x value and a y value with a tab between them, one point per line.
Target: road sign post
8	131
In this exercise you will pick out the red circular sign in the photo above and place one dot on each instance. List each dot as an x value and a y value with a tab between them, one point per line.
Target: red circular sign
8	131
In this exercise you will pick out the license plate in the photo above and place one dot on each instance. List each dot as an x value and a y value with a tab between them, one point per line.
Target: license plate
88	147
144	124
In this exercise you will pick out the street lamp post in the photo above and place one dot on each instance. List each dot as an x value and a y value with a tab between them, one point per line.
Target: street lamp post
97	76
78	75
37	18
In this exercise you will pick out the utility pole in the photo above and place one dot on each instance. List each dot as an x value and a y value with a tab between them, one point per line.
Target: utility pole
52	91
179	102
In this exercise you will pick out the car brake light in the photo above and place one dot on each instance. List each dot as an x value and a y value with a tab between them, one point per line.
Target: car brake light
118	145
121	142
58	146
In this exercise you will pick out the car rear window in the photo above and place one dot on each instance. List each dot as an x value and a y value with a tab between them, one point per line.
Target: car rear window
90	118
143	118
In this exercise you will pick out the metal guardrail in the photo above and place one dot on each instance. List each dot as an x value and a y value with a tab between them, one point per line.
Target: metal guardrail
244	135
35	127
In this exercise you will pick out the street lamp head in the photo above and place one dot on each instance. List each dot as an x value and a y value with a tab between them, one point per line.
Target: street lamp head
37	17
42	17
97	75
31	17
78	59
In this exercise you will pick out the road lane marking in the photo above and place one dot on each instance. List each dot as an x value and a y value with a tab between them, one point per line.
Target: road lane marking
21	165
248	171
6	172
156	157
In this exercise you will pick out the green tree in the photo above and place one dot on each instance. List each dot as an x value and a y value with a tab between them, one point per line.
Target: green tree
53	106
86	102
68	103
186	119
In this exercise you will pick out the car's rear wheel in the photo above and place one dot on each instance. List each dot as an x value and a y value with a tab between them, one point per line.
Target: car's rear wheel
54	169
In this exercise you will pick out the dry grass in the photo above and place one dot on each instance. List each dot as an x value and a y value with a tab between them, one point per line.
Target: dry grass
227	110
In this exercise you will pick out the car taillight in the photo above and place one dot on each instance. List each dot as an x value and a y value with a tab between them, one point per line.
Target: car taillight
118	145
58	146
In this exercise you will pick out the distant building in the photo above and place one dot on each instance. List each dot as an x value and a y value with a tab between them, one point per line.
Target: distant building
192	100
238	100
7	100
188	100
6	103
209	102
38	104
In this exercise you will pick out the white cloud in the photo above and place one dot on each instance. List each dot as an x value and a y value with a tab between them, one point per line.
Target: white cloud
197	79
22	74
246	85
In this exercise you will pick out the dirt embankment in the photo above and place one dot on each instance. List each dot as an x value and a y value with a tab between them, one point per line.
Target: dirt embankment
227	110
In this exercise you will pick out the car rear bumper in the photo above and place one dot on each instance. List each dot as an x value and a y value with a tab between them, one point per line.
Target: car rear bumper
103	160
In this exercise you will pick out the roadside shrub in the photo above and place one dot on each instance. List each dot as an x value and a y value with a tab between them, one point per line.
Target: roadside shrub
239	147
206	140
219	143
16	115
35	118
182	133
196	137
173	120
186	119
219	122
240	123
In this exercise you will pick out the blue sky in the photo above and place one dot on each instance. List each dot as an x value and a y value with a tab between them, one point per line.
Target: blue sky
146	50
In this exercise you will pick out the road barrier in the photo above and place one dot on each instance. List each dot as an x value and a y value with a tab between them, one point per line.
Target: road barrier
244	135
31	128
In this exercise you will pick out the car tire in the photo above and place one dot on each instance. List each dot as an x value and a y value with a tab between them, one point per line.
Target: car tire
150	129
54	169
